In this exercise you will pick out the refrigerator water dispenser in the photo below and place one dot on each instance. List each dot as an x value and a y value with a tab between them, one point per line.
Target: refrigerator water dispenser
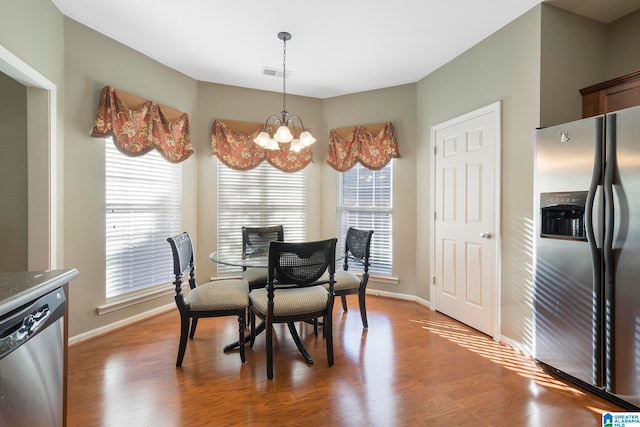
562	215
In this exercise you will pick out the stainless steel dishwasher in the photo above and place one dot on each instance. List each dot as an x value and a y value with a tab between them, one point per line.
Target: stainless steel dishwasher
31	363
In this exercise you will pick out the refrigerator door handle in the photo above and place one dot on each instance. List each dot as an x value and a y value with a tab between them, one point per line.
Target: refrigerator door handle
596	179
596	260
609	258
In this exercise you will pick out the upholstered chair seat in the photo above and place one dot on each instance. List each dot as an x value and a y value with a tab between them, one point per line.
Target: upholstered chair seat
344	280
223	295
288	302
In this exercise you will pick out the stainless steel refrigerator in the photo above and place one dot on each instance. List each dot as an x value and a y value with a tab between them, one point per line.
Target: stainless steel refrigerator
587	253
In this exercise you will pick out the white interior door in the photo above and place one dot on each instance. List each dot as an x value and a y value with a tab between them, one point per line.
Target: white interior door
465	176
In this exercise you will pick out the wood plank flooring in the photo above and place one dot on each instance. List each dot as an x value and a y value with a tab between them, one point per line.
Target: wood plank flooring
412	367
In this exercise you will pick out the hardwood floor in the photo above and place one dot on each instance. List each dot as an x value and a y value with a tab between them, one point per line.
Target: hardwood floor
411	367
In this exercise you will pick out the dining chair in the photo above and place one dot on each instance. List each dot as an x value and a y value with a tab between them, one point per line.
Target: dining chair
295	292
357	247
227	297
255	242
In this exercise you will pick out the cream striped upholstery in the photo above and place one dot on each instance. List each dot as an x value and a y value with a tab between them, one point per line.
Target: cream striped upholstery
226	294
344	280
288	302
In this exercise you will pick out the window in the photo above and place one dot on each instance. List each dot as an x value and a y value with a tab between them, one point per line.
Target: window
365	201
259	197
143	208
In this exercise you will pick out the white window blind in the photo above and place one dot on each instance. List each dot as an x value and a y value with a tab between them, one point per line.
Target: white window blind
260	197
365	201
143	208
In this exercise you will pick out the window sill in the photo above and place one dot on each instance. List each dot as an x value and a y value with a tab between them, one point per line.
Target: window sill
389	280
136	297
384	279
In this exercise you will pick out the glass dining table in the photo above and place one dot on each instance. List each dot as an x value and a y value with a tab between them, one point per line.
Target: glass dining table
256	260
259	260
253	260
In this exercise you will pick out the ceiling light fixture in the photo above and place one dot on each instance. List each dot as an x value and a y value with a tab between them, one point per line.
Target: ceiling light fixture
285	123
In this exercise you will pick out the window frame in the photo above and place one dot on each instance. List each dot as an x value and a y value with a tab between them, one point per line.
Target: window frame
368	214
254	187
138	189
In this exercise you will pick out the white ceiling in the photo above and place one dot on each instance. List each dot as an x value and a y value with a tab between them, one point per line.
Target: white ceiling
338	46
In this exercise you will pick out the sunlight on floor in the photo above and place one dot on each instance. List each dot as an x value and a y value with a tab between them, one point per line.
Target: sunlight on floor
498	353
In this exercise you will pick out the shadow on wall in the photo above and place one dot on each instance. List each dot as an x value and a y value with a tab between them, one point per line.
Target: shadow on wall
13	175
517	300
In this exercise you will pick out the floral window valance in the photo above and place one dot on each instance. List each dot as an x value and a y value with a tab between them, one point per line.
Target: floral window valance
232	142
372	145
138	126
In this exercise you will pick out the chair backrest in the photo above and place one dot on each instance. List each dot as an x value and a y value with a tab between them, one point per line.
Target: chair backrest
357	247
182	259
301	264
255	240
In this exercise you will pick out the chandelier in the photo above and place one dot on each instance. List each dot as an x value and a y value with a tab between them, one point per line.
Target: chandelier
284	124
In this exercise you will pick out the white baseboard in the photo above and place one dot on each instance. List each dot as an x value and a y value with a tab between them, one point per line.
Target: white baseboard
76	339
395	295
517	346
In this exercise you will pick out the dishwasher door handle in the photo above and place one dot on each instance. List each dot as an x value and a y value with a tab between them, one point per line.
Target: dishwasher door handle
30	325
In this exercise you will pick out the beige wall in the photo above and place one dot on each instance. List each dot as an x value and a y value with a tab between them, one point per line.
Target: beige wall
516	65
623	51
573	52
13	175
33	31
93	61
504	67
535	66
577	52
396	105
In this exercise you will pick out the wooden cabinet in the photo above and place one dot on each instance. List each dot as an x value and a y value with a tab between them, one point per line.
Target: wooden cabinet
615	94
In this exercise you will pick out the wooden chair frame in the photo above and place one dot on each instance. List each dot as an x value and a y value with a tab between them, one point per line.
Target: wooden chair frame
282	277
183	264
357	248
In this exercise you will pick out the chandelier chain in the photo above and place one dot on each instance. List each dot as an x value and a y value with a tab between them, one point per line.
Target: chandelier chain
284	77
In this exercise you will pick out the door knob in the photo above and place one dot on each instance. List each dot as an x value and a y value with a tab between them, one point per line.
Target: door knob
485	235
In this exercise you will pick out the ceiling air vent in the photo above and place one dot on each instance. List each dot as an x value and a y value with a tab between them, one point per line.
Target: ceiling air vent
274	72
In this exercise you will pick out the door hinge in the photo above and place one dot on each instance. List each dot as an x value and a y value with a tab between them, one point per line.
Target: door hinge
435	215
435	150
433	280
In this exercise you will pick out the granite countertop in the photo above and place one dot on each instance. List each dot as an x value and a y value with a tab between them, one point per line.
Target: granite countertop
18	289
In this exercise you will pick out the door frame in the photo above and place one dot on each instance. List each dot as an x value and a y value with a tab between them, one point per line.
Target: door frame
42	161
496	109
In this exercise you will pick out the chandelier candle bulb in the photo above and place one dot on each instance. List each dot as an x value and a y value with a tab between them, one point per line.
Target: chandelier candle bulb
283	134
262	139
272	144
296	145
306	138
